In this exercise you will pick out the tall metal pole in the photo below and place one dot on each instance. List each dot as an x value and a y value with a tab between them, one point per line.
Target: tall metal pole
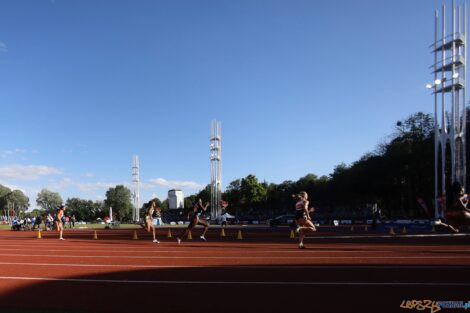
464	101
450	128
216	168
136	188
436	128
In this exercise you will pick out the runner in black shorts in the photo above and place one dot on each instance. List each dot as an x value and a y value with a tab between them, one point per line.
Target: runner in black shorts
196	219
302	217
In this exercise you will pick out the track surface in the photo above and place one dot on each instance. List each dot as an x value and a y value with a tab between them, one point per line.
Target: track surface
264	272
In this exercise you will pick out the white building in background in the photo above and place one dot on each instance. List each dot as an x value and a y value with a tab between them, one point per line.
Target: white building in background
176	199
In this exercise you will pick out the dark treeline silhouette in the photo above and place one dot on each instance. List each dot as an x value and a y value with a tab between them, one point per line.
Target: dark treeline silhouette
394	176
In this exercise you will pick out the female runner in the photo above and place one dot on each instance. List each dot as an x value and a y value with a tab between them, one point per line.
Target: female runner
60	222
196	219
149	219
302	217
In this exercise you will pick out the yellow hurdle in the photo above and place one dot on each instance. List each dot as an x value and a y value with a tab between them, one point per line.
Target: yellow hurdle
292	235
169	233
39	234
392	231
134	237
190	236
222	232
240	236
95	235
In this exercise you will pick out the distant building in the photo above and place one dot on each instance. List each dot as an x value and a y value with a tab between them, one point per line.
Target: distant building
176	199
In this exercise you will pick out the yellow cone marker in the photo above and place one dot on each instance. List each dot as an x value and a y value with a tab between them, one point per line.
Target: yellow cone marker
135	235
391	232
352	228
169	233
190	236
239	236
433	230
292	235
95	235
404	230
222	232
39	234
366	228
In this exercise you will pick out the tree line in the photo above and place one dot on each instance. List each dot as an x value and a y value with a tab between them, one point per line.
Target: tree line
397	177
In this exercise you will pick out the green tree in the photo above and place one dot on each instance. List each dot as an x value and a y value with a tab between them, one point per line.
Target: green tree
13	199
205	194
48	200
4	192
84	210
119	198
19	199
253	193
232	194
189	201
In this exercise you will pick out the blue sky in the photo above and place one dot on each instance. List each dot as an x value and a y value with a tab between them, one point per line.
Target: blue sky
299	86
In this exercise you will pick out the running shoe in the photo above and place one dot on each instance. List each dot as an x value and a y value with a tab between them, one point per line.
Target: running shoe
61	238
203	238
156	241
179	240
301	246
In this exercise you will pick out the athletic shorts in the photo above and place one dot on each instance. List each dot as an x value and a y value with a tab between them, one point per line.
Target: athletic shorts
299	214
157	221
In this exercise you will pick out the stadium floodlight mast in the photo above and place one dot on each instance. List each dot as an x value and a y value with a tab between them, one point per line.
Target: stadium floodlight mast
449	69
135	188
216	168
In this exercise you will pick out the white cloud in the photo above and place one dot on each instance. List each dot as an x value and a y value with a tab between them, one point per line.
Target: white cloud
14	187
3	47
96	186
8	153
82	186
161	182
89	174
27	172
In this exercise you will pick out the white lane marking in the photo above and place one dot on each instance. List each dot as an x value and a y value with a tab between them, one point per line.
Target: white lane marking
195	282
234	257
149	250
241	267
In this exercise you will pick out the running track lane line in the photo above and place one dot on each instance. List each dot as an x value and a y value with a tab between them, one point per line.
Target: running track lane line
234	258
241	267
273	283
202	252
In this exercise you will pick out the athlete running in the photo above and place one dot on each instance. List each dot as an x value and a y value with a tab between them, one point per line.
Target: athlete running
302	217
195	218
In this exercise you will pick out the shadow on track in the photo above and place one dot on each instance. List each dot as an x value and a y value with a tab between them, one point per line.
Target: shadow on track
236	289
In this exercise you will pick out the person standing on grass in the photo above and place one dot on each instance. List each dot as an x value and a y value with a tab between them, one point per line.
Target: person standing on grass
302	217
196	219
149	219
73	220
60	221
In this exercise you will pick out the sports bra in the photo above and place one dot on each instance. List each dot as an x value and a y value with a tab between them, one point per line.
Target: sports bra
299	205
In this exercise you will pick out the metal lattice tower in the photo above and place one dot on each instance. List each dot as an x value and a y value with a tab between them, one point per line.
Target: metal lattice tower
449	69
216	168
136	188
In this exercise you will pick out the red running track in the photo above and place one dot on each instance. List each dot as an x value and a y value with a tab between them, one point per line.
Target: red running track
265	272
